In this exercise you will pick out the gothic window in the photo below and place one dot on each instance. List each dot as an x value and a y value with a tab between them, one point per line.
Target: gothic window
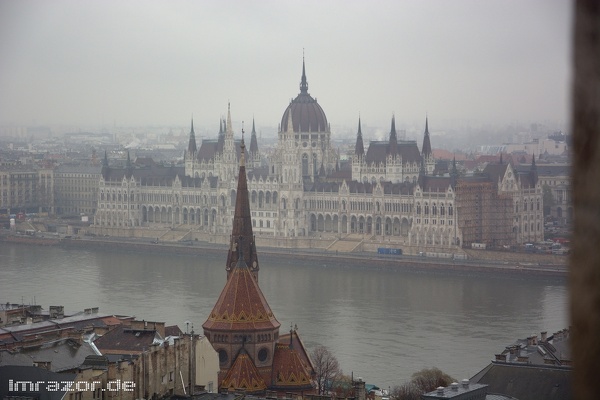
426	209
434	209
418	208
450	209
305	164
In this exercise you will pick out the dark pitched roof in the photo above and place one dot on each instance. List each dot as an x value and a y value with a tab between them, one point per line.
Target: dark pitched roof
63	355
123	340
495	171
379	150
257	173
526	382
435	183
208	150
173	330
398	188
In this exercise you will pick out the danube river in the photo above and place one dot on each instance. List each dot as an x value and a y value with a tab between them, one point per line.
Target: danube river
381	325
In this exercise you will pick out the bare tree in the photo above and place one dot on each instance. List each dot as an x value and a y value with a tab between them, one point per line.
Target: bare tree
423	381
429	379
406	391
327	368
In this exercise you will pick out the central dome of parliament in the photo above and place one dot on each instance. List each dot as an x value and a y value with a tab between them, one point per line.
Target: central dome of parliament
307	114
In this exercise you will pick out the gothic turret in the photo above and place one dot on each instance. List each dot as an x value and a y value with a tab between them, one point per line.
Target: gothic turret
253	153
393	149
192	148
128	166
105	168
533	171
426	149
359	148
453	173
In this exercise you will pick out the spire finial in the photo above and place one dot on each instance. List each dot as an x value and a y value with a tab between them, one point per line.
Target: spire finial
242	149
303	82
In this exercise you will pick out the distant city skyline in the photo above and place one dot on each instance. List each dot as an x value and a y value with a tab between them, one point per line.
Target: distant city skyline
157	63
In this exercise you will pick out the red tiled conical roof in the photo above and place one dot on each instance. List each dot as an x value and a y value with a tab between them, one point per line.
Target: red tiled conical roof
241	305
243	375
289	371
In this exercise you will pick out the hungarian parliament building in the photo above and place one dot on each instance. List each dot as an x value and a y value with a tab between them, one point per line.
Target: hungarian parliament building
388	192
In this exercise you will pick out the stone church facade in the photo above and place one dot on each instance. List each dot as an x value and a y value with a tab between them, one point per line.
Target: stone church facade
388	192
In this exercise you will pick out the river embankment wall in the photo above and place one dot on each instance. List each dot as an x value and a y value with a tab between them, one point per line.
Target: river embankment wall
479	261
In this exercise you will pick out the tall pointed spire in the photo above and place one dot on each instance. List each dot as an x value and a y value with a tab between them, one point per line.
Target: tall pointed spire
229	127
253	141
393	149
242	224
303	81
105	171
426	149
359	149
192	143
453	172
533	171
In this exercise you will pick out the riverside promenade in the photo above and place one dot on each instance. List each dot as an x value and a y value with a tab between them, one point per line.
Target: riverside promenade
477	261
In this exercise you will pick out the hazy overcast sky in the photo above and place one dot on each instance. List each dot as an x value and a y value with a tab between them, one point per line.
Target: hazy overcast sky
158	62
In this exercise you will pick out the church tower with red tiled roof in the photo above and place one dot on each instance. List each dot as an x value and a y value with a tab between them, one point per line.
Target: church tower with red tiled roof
242	327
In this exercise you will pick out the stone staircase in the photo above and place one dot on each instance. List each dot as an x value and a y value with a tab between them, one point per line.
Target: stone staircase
176	234
347	244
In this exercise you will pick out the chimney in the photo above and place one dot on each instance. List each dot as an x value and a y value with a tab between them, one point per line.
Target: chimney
440	391
534	340
544	336
454	386
465	383
529	340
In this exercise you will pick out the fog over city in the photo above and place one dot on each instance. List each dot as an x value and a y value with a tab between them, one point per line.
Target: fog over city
157	63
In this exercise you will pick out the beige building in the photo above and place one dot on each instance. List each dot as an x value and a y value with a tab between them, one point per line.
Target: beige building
27	189
76	189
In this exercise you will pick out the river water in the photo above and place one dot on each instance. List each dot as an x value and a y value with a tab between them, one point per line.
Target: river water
381	325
